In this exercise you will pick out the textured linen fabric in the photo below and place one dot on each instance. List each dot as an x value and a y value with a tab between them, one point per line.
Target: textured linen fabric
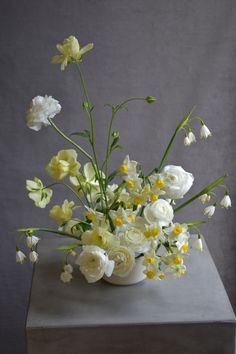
182	52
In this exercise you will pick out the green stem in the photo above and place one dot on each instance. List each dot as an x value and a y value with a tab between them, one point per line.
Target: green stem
205	190
70	140
35	229
196	222
66	185
183	122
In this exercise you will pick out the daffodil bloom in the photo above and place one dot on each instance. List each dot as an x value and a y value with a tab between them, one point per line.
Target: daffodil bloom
128	167
62	213
40	195
100	237
63	164
70	52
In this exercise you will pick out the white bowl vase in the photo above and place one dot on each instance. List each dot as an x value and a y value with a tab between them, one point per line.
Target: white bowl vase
135	276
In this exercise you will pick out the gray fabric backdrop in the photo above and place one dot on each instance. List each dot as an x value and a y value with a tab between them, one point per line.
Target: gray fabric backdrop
183	52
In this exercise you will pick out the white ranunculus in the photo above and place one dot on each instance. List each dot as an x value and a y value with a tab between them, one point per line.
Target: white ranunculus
160	212
226	202
133	238
32	241
94	263
20	257
177	181
40	110
124	259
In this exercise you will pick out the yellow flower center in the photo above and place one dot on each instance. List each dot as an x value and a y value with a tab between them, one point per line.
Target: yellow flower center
160	183
137	200
147	234
162	276
177	229
153	197
185	248
130	183
146	189
150	274
150	260
118	221
177	260
155	231
90	216
123	168
182	273
131	217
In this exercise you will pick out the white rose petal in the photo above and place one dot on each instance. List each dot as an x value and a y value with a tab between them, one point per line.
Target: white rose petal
133	238
124	259
177	181
160	212
40	110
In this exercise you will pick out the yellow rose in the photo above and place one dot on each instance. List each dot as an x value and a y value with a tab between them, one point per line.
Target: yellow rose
63	164
62	213
70	51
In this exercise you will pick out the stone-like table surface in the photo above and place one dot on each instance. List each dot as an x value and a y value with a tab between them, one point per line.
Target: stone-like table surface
191	315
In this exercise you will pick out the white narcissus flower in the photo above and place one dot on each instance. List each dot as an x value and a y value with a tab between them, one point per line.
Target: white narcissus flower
66	277
124	259
40	110
94	263
32	241
40	195
20	257
204	132
177	181
33	257
160	212
205	198
209	211
197	245
226	202
128	167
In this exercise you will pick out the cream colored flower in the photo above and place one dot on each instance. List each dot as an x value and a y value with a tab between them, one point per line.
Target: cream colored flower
40	195
63	164
32	241
205	198
70	52
94	263
40	110
100	237
62	213
134	239
33	257
160	212
124	259
72	227
226	202
20	257
128	167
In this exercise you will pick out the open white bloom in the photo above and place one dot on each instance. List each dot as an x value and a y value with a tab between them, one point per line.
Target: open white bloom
205	198
197	245
20	257
124	259
128	166
33	257
66	277
40	110
68	268
94	263
226	202
160	212
40	195
134	239
32	241
204	132
209	211
177	181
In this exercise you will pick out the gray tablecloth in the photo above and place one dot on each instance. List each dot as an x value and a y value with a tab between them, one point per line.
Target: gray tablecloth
188	315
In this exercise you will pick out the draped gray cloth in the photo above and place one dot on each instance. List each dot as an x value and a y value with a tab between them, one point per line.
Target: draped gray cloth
182	52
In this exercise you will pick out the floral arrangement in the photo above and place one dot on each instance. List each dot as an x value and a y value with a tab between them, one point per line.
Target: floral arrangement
120	221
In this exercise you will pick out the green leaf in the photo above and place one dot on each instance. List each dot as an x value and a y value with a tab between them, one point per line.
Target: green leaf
83	134
67	247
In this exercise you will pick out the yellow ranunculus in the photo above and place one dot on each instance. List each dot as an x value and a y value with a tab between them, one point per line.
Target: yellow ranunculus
63	164
62	213
100	237
70	51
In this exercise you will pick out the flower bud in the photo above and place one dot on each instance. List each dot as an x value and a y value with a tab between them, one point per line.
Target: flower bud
226	202
150	99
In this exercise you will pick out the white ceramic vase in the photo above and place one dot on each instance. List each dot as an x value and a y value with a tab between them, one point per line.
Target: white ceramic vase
135	276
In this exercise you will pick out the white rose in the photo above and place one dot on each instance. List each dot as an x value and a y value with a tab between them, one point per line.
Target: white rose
160	212
177	181
124	259
133	238
94	263
40	110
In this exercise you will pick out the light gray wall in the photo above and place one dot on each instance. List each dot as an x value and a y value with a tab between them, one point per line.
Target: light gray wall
183	52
